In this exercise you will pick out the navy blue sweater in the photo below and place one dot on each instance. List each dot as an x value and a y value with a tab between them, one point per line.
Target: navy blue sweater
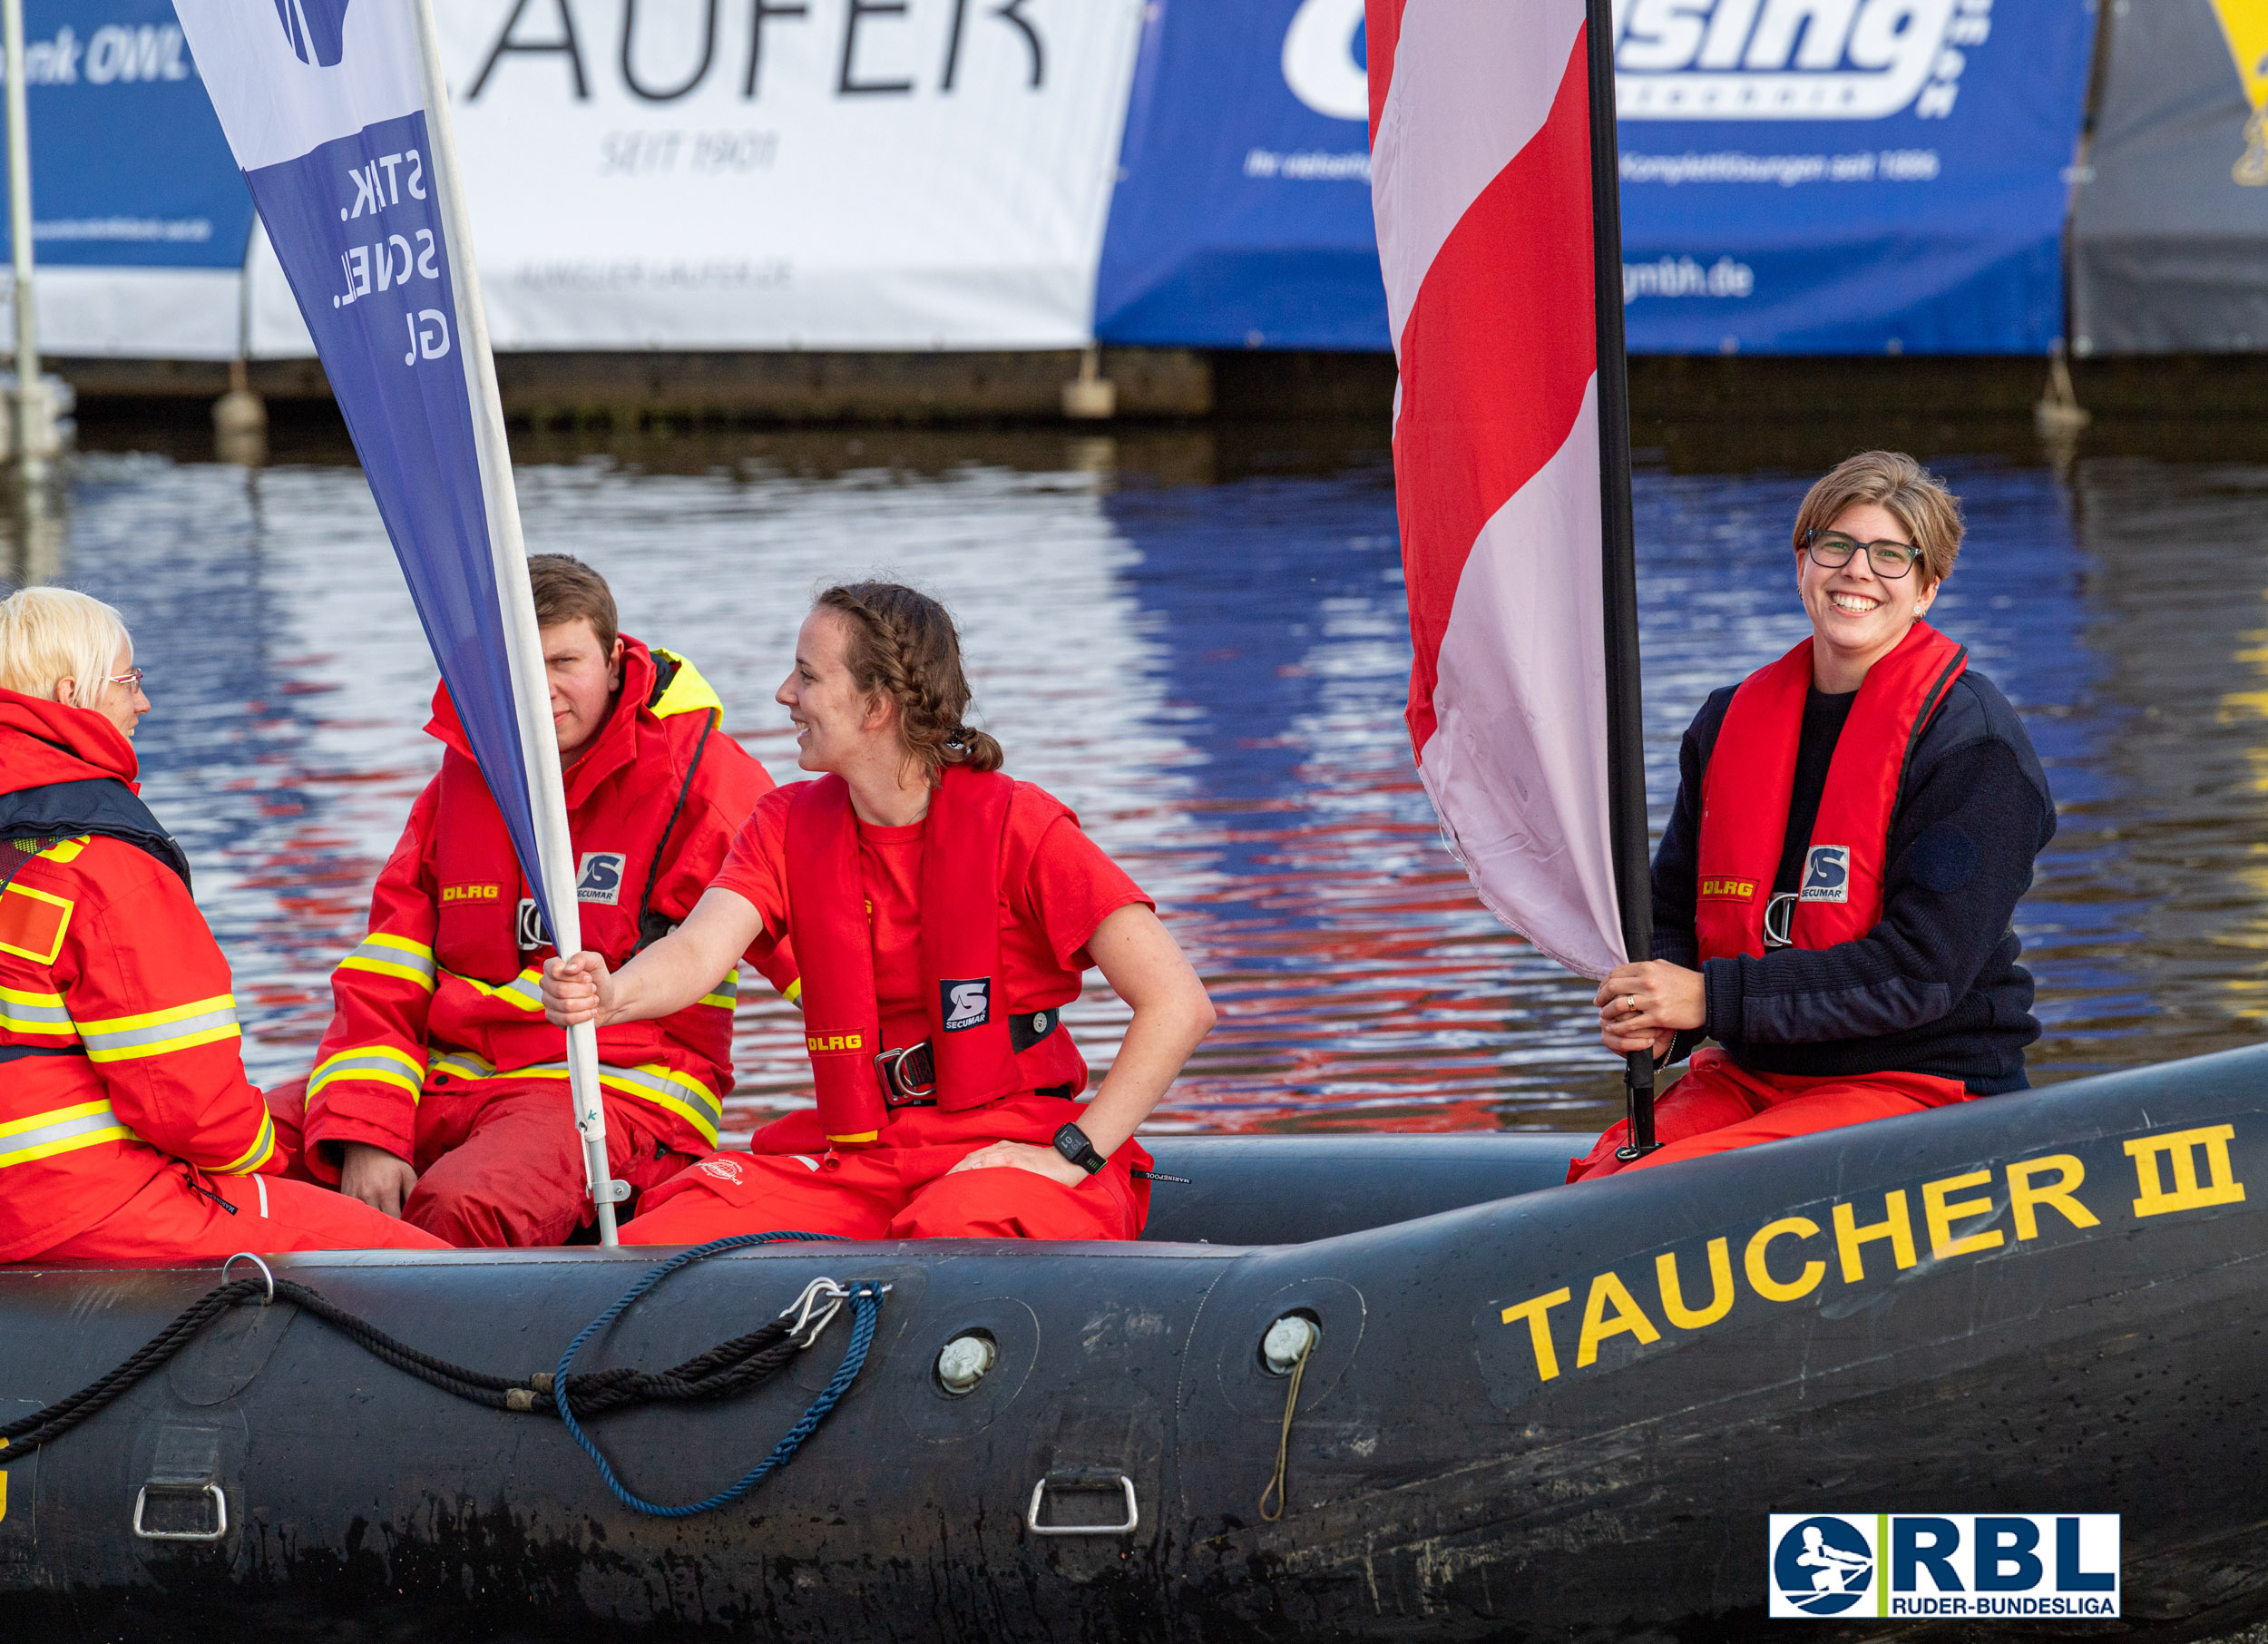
1935	987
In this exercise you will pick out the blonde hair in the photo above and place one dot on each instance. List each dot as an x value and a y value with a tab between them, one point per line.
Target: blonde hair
1913	495
52	634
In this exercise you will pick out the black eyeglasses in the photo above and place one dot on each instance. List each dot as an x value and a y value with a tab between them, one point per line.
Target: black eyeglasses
1832	551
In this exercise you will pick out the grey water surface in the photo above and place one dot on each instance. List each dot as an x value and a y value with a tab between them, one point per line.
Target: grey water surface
1199	642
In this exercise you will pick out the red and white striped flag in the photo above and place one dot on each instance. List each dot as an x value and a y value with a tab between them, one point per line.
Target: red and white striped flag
1483	182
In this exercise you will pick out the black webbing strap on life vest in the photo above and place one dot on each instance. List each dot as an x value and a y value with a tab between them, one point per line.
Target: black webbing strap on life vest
653	926
97	805
17	1053
909	1077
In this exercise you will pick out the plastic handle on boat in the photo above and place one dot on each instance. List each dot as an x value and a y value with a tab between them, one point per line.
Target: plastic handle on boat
1087	1478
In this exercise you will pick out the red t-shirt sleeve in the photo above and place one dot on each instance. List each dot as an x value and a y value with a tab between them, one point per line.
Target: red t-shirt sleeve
1074	887
755	868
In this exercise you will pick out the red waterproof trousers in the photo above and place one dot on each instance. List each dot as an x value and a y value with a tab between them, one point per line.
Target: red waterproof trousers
1720	1105
502	1164
901	1188
185	1215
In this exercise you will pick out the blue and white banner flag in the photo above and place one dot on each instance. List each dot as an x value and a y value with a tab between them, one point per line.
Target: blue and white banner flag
324	106
338	115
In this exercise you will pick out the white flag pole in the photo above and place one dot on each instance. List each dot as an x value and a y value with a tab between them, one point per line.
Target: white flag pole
531	690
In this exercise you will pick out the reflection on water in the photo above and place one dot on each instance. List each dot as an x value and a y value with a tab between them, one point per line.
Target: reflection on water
1199	643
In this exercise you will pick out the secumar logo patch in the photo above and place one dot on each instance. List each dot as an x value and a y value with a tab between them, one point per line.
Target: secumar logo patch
1827	874
966	1004
598	876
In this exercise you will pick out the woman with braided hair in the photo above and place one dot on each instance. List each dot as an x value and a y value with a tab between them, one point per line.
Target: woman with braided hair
942	914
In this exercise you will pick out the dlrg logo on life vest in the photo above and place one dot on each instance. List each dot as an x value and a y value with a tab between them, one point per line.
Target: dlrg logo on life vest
2006	1565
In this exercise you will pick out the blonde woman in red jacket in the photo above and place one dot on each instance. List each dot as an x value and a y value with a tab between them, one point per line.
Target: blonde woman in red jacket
128	1132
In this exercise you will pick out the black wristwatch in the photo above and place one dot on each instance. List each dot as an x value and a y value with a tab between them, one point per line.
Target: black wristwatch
1071	1142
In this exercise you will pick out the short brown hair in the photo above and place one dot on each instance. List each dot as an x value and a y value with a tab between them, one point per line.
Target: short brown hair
565	588
1892	481
903	644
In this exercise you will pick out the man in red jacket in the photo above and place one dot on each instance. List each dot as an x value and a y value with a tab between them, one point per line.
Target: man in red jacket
439	1094
128	1132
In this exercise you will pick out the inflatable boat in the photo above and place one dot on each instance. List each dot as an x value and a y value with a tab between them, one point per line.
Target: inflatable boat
1523	1410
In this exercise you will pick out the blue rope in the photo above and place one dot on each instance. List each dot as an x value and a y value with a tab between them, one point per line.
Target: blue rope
865	1298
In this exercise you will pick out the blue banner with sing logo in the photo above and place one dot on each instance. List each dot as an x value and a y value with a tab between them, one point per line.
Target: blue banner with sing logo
1798	176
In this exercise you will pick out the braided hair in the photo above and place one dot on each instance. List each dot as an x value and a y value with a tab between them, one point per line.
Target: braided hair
903	644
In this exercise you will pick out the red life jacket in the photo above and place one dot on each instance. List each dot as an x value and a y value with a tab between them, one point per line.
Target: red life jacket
1751	777
485	928
964	899
483	931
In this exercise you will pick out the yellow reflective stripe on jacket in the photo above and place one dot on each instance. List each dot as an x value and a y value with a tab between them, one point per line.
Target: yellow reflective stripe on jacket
62	851
524	991
41	1013
60	1130
263	1147
793	992
390	956
381	1062
727	993
127	1037
663	1086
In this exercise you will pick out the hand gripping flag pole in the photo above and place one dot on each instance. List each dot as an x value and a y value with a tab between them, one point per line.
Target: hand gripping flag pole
530	688
1493	179
338	115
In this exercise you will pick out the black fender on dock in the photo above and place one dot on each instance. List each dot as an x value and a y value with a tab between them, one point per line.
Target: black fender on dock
1534	1411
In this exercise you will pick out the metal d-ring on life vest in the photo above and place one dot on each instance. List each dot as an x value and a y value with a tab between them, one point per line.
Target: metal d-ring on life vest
1751	777
978	1057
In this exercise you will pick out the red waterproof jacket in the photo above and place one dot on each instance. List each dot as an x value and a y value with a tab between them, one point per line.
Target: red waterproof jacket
443	992
119	1045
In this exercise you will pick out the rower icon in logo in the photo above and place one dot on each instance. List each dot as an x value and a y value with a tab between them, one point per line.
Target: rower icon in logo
1823	1565
316	28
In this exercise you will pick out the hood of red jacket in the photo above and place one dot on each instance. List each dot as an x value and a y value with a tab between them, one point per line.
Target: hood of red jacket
610	747
42	743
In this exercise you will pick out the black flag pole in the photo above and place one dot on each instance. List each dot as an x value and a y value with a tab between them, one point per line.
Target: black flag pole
1625	732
